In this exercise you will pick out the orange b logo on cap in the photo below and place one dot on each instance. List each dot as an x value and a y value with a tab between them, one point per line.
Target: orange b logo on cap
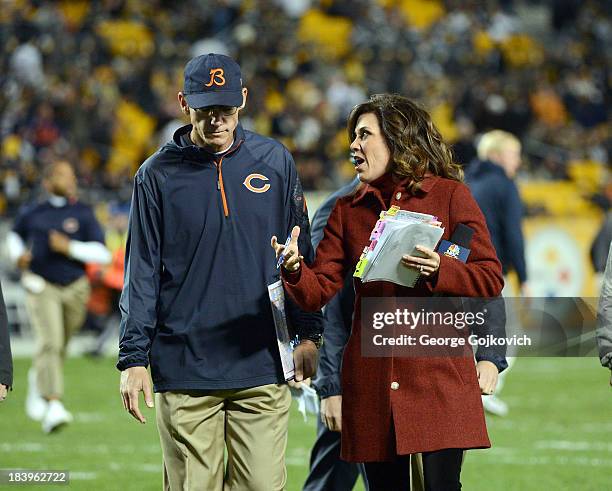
216	77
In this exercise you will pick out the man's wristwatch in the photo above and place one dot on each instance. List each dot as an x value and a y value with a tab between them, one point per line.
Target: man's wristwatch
317	339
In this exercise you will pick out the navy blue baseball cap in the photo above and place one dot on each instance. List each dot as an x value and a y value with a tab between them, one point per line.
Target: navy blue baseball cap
212	80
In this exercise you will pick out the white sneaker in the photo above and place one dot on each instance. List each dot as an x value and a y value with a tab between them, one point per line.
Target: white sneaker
36	405
494	405
56	417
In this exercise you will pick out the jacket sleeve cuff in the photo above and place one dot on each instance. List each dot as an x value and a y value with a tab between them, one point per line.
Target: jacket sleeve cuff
498	360
328	386
129	361
291	277
307	324
443	279
6	379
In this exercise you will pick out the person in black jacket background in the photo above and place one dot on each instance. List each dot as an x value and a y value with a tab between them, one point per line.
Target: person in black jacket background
51	241
327	471
491	180
6	360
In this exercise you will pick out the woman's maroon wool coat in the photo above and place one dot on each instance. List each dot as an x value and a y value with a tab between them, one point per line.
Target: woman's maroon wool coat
437	404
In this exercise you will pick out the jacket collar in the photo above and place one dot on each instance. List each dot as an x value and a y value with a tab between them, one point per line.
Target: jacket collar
57	201
427	185
478	168
198	153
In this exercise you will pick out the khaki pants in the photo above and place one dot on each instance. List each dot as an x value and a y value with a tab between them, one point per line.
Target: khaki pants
56	313
417	478
196	427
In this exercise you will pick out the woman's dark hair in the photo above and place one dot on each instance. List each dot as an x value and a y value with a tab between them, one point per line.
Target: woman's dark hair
415	143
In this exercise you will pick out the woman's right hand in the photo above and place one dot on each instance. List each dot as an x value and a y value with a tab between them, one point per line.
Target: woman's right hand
291	258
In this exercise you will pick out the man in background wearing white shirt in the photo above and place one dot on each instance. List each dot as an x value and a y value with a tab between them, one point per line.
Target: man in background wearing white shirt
50	243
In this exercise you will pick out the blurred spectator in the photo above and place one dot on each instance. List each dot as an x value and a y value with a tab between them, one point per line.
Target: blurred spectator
464	150
6	359
604	316
107	281
50	243
92	81
603	239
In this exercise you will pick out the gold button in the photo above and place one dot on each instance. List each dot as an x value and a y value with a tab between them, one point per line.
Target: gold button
398	195
394	386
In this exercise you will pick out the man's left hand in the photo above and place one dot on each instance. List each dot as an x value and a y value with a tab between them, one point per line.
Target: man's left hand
3	392
487	376
305	357
59	242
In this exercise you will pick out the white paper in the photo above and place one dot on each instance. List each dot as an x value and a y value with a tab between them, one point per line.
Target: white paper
387	266
307	400
277	302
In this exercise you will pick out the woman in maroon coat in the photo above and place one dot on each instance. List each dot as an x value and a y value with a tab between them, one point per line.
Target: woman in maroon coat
393	406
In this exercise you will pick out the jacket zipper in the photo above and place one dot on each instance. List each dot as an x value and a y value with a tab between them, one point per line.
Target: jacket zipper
221	188
220	185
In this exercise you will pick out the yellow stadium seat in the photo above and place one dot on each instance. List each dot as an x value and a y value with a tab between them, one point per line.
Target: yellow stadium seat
330	34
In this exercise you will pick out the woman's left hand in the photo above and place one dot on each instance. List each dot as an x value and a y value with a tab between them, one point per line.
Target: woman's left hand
427	266
487	376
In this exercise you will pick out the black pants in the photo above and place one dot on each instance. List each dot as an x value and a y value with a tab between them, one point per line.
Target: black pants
441	470
327	471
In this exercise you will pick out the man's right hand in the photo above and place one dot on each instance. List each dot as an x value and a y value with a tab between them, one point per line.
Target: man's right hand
331	413
23	261
135	380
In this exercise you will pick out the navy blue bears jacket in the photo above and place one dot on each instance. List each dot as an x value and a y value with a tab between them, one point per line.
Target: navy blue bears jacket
500	202
198	261
75	219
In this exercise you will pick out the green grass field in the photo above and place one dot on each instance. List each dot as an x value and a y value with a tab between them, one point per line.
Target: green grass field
557	436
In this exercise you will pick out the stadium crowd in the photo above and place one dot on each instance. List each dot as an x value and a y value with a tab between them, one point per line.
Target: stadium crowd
94	81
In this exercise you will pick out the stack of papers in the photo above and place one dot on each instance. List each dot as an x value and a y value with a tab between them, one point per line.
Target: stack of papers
396	233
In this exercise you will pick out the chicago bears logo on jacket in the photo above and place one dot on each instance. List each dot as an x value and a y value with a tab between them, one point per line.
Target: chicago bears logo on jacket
251	186
70	225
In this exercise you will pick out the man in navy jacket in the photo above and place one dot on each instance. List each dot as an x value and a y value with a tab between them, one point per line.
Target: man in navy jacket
195	303
327	471
491	180
51	242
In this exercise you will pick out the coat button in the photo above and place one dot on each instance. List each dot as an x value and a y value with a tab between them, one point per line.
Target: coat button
394	386
398	195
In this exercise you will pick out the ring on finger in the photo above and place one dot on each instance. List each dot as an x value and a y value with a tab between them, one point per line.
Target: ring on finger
421	268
